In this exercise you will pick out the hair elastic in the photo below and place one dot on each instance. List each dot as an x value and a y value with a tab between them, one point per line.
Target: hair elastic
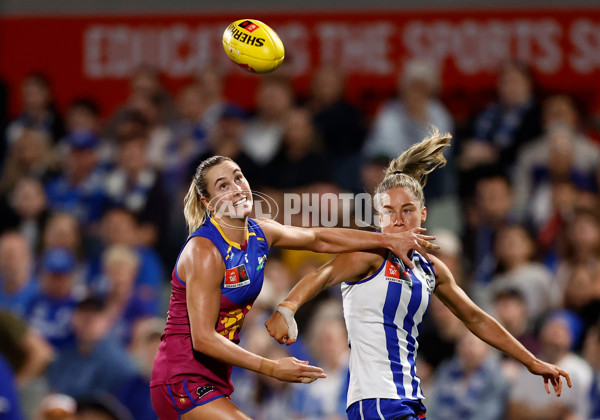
397	172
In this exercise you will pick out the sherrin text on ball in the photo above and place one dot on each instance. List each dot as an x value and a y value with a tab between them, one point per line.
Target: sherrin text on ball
253	45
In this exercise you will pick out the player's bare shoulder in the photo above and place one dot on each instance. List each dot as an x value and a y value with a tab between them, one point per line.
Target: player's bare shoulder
360	265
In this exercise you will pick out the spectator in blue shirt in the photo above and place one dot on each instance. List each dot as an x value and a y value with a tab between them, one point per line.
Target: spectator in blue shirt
80	190
469	386
51	309
93	362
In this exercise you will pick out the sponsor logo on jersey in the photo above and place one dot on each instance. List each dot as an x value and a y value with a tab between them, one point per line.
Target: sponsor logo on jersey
261	262
430	280
249	26
236	277
395	272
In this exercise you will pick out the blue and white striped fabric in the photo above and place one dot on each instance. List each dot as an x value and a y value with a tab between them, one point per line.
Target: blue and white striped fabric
383	316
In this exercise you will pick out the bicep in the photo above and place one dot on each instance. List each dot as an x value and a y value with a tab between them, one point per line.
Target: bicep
351	267
289	237
202	269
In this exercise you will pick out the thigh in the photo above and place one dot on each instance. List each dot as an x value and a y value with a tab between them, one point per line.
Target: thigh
172	401
219	409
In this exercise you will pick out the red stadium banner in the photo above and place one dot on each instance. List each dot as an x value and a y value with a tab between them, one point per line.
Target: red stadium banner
95	55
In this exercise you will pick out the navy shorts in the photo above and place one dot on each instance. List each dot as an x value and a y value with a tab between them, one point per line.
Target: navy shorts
171	401
386	409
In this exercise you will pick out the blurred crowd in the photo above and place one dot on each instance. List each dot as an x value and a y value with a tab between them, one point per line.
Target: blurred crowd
91	223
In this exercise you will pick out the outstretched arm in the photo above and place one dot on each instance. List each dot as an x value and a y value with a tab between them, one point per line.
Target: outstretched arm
345	267
338	240
202	269
489	330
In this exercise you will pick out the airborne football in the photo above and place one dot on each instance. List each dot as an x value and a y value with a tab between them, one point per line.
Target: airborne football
253	45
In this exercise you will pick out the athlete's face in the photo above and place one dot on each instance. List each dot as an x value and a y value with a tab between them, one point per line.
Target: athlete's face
399	211
230	194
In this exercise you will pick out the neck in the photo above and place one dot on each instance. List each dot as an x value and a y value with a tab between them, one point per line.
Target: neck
513	263
236	230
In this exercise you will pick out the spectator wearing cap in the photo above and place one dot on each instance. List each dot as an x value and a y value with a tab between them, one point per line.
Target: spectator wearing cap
560	333
93	362
83	116
80	190
51	310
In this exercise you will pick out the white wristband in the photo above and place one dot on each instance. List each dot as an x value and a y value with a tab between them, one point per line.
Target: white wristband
288	315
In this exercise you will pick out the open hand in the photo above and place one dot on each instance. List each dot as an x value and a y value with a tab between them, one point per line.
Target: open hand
290	369
552	375
415	239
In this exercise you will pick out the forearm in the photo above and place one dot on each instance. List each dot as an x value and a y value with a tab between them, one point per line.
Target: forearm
489	330
218	347
306	289
338	240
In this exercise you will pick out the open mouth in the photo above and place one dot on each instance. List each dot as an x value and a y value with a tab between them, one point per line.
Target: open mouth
240	202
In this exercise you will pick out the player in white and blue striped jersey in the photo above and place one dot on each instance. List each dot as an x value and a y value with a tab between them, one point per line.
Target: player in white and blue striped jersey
385	301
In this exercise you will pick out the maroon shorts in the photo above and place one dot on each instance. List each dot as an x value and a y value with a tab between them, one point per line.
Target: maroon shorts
171	401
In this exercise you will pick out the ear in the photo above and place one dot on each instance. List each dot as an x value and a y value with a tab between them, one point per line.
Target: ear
205	202
423	214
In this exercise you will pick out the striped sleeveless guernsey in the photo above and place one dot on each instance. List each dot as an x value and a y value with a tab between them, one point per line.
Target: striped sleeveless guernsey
383	315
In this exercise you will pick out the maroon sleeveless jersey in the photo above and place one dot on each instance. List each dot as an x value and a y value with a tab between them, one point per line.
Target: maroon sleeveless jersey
176	359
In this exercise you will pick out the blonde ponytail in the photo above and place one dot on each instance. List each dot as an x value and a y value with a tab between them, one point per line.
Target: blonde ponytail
193	208
412	167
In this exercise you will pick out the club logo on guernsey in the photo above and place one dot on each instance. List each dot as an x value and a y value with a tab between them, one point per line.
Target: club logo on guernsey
261	262
236	277
396	273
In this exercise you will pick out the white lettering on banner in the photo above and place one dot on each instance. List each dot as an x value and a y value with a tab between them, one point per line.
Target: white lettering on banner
295	38
477	46
357	48
115	51
585	39
474	46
